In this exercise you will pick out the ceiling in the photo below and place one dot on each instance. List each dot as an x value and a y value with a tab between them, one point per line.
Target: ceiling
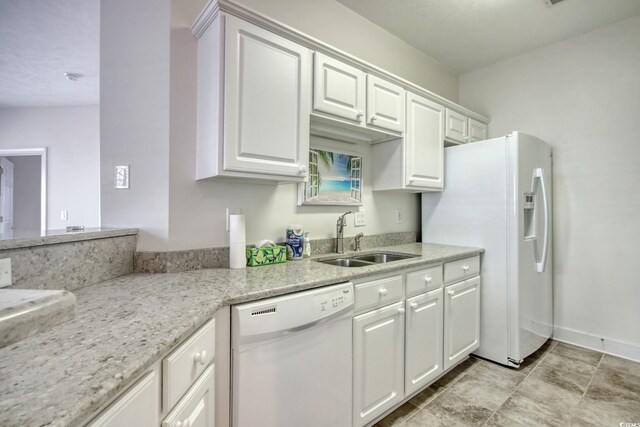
40	40
464	35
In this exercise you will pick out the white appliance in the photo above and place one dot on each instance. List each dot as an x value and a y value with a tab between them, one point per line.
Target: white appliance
291	359
498	196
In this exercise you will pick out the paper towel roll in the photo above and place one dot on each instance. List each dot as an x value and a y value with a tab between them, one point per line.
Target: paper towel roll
237	244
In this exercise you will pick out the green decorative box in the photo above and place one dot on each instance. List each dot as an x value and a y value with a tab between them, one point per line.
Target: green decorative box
266	256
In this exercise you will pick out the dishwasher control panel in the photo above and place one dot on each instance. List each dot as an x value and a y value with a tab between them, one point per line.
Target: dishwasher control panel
334	300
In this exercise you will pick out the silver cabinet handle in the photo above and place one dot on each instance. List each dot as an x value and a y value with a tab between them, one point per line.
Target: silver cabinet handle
359	116
427	280
382	292
451	292
302	169
465	268
414	305
401	310
373	118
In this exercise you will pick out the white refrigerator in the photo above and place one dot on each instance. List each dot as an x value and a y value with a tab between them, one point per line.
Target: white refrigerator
497	195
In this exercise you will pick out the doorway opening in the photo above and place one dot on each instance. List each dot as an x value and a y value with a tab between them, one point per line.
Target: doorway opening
23	192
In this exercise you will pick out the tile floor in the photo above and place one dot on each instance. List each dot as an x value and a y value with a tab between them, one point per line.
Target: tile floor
559	385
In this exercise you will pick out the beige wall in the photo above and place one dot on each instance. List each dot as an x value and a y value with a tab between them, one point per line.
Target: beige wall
72	138
582	95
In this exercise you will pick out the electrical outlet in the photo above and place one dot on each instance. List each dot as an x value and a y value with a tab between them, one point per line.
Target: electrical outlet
64	215
5	272
232	211
122	177
358	219
399	216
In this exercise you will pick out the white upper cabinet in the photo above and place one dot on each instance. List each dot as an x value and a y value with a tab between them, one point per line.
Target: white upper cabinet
424	143
478	131
385	104
415	162
456	126
262	86
460	129
339	89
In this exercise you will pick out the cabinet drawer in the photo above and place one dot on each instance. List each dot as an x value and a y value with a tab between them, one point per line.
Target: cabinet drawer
197	407
424	280
461	269
182	367
377	293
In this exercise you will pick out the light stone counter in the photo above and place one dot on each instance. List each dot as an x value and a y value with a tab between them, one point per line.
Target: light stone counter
55	237
124	325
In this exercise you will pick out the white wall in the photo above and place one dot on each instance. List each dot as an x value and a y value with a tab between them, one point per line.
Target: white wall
26	194
339	26
197	209
71	135
134	114
582	95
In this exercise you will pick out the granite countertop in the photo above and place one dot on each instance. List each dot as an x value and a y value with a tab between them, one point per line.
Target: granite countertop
54	237
124	325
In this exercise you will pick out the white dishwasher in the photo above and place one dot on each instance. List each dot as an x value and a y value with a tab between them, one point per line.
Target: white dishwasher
291	359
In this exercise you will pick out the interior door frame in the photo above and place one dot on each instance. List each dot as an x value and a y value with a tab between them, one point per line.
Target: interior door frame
42	152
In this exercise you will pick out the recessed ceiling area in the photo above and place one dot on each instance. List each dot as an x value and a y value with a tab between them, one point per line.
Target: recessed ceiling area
464	35
40	40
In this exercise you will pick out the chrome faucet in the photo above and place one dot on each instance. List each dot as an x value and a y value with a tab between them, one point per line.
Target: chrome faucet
342	222
357	241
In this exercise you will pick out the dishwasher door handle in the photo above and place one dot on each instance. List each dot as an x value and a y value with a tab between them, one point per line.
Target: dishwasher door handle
268	336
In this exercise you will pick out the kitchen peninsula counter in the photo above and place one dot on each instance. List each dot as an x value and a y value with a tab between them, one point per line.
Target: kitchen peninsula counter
124	325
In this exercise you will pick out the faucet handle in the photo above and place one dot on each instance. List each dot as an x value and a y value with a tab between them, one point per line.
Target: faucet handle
342	220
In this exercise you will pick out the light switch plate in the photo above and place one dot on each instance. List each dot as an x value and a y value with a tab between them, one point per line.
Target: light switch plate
5	272
399	216
122	177
358	219
64	215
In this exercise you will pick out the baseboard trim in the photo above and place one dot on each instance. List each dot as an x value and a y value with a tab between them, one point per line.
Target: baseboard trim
593	342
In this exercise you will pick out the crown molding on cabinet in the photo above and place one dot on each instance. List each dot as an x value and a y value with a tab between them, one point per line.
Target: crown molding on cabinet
214	7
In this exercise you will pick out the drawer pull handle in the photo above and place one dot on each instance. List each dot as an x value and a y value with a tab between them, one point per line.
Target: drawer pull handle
414	305
359	116
185	423
383	292
201	358
427	280
401	310
451	292
465	267
302	169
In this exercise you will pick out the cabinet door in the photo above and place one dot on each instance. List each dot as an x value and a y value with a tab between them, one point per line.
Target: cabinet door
423	340
267	105
385	104
378	356
137	407
477	131
461	320
456	126
338	88
196	409
424	155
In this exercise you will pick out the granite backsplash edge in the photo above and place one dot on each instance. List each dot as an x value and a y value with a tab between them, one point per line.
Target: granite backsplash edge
197	259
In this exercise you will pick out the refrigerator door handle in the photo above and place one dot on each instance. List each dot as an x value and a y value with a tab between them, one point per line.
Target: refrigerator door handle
542	265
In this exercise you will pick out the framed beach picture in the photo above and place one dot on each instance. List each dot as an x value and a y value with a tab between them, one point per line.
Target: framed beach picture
335	179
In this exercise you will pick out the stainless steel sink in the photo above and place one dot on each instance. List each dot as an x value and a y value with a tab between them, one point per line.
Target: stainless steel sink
382	257
345	262
366	259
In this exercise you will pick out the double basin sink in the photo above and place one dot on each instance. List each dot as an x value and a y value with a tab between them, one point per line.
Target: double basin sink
366	259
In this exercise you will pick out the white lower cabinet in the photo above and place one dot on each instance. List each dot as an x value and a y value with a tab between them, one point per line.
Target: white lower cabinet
137	407
423	340
181	385
461	320
196	409
378	362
